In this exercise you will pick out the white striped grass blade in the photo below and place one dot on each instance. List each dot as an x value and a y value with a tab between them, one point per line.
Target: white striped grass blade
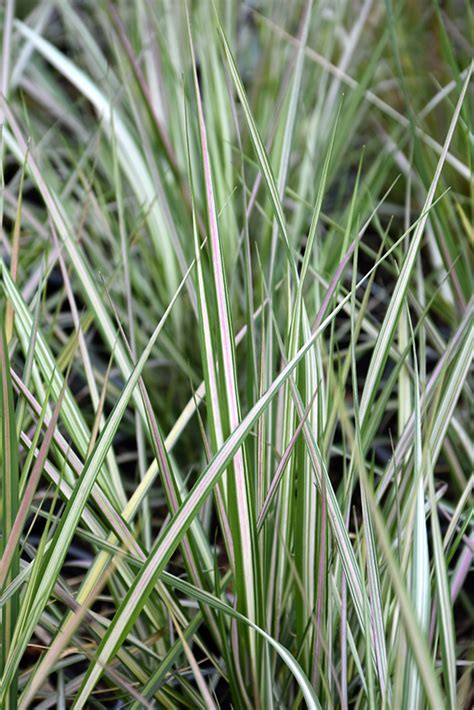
246	525
75	506
130	157
380	353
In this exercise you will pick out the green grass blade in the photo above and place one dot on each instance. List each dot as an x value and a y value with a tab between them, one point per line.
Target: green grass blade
10	504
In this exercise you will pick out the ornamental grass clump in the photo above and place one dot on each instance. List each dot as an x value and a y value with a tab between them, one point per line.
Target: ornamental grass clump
235	355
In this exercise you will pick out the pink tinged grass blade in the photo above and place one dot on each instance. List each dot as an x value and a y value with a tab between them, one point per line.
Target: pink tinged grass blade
243	502
10	505
13	539
78	500
208	387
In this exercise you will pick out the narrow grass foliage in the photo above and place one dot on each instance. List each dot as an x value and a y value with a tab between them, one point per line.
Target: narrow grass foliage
236	337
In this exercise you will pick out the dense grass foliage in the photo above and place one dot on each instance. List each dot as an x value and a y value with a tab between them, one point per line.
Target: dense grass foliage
236	337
